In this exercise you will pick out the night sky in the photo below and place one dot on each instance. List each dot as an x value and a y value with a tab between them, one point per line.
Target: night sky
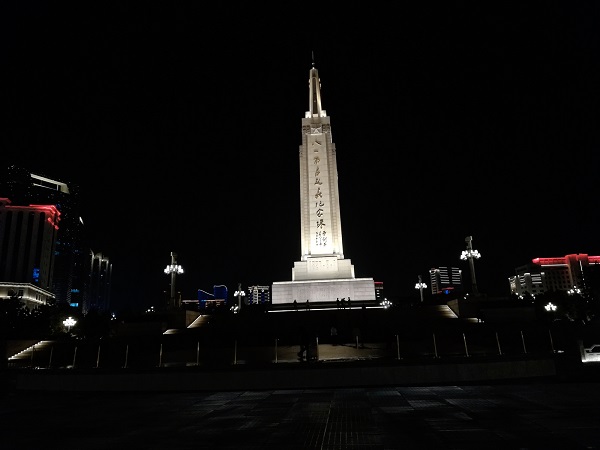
181	126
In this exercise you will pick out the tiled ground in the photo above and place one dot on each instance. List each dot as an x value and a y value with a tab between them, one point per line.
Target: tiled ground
548	416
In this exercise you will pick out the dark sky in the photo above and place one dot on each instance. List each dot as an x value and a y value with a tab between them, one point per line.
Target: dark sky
181	127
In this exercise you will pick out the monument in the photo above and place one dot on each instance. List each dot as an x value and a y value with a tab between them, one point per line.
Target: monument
322	274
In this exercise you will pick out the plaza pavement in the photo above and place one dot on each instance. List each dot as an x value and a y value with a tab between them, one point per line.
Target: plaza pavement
503	416
560	410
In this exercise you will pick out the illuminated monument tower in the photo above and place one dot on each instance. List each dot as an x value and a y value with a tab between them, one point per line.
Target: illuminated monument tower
322	274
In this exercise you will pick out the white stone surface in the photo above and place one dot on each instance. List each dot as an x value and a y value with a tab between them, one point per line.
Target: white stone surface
324	268
357	289
322	274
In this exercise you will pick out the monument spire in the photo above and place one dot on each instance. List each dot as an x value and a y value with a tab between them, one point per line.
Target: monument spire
322	274
321	222
314	84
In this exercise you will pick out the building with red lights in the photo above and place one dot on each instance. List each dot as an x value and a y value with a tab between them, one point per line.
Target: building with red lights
554	274
28	236
80	277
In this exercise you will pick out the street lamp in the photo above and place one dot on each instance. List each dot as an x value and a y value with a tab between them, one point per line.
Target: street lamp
471	254
173	269
239	294
550	307
574	290
69	322
420	286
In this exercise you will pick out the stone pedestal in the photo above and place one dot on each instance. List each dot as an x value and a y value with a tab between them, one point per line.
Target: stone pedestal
315	291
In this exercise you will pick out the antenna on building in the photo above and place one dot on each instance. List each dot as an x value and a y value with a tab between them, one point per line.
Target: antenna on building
313	58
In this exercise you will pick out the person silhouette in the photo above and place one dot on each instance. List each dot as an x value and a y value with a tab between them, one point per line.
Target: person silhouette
304	343
334	335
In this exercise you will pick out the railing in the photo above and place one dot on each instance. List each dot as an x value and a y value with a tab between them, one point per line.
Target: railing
205	351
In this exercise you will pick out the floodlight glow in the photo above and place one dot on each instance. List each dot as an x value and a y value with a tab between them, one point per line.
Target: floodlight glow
470	254
239	294
173	268
69	322
420	286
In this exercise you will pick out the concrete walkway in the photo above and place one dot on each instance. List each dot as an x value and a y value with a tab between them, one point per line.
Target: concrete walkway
532	416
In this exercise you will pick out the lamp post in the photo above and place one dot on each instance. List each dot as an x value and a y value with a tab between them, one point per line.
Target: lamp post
69	322
470	254
173	269
239	294
551	308
574	290
420	286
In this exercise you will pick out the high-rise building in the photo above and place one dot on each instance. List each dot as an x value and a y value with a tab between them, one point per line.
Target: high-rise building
446	280
323	273
28	236
97	297
72	272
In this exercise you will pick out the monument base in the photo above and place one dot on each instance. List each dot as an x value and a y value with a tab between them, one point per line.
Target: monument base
315	291
322	268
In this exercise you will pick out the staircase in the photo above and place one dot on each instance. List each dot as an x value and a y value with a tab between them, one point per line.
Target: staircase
199	322
32	355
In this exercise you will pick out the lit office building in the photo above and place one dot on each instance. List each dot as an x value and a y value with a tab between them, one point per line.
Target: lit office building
527	282
258	295
28	236
554	274
446	280
71	270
